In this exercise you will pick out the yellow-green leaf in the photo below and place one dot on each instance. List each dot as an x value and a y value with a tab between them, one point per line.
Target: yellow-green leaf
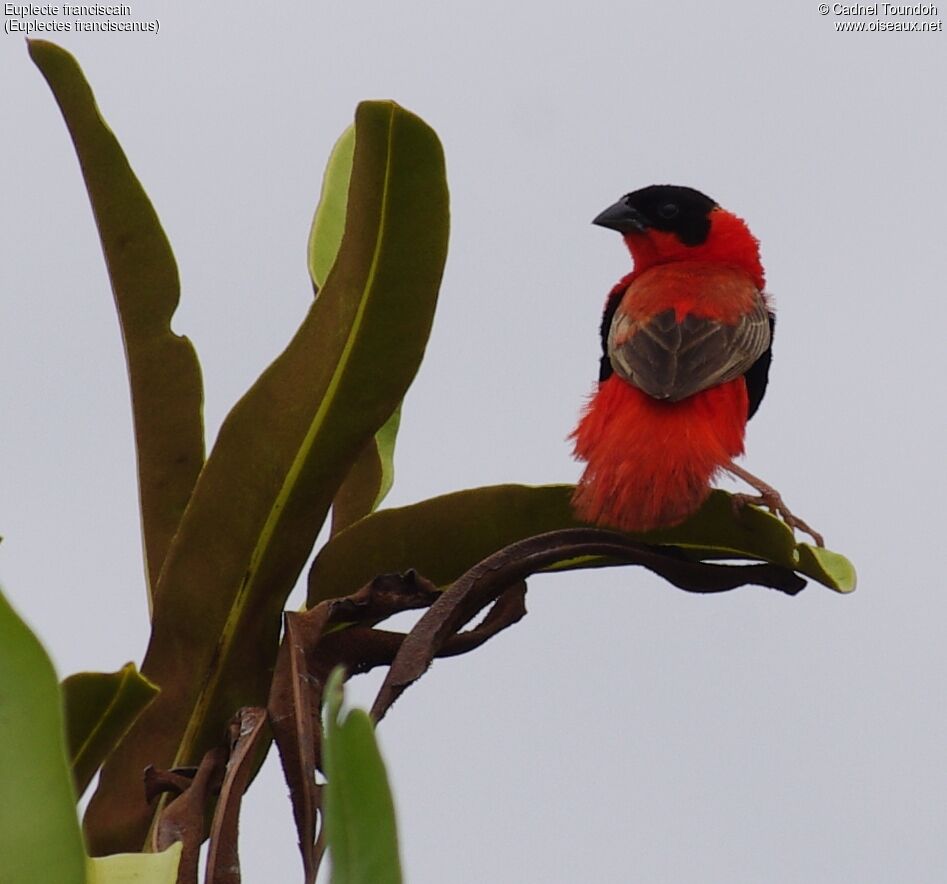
136	868
830	568
328	223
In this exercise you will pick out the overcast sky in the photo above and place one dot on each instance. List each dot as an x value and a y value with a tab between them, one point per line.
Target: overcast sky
624	730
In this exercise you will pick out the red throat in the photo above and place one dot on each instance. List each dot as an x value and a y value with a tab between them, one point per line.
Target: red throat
728	243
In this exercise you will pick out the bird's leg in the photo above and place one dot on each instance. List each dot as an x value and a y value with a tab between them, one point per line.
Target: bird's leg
771	499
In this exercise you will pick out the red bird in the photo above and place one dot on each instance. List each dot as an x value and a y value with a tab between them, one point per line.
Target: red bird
686	349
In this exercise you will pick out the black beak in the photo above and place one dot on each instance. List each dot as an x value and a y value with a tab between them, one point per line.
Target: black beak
621	217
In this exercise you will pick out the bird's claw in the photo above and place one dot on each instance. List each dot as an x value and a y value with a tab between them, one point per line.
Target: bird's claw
774	503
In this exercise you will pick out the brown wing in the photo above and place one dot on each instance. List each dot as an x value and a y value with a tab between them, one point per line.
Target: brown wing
672	360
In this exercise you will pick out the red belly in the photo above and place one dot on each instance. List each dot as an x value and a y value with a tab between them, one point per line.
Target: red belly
650	463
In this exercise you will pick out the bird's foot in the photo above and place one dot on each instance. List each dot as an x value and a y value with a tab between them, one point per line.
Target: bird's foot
772	500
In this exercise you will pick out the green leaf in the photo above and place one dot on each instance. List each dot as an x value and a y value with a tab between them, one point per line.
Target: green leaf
39	831
328	224
361	834
163	370
99	709
136	868
444	536
830	568
440	537
370	478
279	459
717	532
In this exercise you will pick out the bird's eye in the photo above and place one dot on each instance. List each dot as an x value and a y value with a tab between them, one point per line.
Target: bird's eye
668	211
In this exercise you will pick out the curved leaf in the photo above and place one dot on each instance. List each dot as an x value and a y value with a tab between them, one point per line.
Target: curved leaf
39	831
278	461
359	811
99	709
328	223
136	868
827	567
444	536
163	370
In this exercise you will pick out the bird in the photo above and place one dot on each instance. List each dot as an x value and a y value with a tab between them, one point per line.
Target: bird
687	341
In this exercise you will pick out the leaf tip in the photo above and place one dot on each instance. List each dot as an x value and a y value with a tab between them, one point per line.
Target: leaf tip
35	46
834	570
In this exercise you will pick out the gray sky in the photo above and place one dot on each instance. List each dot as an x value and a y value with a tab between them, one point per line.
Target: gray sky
624	730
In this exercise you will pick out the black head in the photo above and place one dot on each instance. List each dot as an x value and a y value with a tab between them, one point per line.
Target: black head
682	211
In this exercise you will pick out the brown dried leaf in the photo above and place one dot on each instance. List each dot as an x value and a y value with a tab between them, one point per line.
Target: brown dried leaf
489	578
246	732
293	712
341	631
306	657
183	819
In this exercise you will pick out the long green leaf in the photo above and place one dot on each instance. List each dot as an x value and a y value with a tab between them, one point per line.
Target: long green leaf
99	709
39	831
278	461
360	828
444	536
163	370
372	474
136	868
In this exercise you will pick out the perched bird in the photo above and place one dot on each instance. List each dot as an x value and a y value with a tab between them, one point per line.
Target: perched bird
686	349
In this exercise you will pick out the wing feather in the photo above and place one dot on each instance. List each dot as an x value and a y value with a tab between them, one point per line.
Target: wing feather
672	360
